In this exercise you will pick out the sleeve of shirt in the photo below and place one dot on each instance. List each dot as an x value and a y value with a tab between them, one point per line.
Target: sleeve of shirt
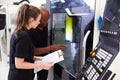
22	47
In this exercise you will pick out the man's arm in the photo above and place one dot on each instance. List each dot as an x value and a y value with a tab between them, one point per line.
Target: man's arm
49	48
42	50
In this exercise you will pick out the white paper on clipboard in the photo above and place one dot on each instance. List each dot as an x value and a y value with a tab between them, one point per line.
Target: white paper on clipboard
55	57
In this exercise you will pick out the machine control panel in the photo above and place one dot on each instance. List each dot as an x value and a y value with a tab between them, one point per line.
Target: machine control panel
96	64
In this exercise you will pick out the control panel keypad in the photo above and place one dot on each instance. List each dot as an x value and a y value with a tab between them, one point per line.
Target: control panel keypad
98	64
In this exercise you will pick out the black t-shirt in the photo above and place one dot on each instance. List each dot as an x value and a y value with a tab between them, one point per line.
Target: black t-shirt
21	47
39	37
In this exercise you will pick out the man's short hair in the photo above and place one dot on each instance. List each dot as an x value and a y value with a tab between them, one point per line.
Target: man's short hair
45	16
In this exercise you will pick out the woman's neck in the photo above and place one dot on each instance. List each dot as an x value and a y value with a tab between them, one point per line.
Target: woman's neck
41	28
28	27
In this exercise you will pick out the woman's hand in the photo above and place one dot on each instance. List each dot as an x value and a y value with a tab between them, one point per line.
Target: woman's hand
38	58
46	65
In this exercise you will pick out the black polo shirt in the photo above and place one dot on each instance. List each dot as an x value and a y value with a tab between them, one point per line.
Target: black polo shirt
39	37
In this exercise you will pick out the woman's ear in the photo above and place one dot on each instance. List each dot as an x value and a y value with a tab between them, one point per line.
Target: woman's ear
31	20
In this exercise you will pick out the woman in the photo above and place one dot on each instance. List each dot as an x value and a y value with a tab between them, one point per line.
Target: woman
21	47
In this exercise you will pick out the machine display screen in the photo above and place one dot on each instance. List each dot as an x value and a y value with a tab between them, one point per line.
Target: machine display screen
69	29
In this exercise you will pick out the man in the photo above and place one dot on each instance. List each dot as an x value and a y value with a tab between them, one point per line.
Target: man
39	37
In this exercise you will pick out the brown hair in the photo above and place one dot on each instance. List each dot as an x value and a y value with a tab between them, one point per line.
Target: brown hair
25	13
45	15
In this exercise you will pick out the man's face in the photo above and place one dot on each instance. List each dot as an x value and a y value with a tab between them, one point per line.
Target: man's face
44	22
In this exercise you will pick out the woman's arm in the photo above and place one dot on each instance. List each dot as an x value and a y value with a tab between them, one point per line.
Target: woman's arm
21	64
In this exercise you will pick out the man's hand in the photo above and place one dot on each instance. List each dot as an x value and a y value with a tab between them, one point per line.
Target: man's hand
58	47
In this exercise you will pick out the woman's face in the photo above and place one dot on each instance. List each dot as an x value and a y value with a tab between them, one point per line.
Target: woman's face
36	22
